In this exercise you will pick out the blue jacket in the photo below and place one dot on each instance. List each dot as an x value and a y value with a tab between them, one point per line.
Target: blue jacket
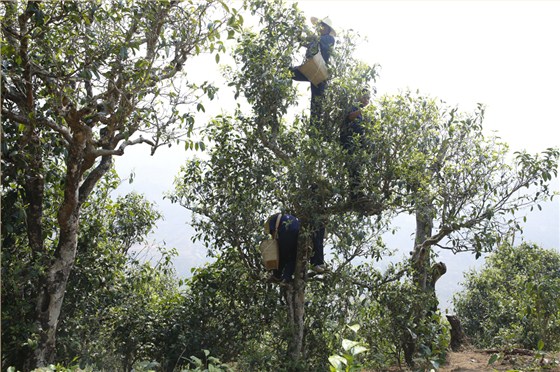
287	223
350	128
326	42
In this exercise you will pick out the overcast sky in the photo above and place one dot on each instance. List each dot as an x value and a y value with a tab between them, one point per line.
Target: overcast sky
504	54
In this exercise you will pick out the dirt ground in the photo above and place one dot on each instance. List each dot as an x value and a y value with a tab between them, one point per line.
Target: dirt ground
477	360
472	360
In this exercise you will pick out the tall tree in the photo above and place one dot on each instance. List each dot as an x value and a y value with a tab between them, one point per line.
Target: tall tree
420	158
261	162
83	81
457	182
465	195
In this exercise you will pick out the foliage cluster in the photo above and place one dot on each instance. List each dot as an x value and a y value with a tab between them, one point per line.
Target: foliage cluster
514	300
82	81
121	312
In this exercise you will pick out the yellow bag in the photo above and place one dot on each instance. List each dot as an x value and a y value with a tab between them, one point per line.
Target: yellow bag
315	69
270	254
270	250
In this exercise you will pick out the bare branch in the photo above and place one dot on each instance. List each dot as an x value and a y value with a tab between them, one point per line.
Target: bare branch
93	177
58	128
15	117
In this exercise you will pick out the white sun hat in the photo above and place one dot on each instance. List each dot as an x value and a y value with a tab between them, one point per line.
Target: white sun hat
326	21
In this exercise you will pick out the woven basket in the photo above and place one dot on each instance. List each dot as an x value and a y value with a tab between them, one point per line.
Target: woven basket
315	69
269	251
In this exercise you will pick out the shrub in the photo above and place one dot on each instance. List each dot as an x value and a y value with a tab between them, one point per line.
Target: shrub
514	300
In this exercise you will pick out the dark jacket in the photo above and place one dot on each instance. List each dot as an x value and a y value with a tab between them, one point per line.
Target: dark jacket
288	223
326	42
351	128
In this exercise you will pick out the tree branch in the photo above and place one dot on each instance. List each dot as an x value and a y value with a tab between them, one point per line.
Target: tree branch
15	117
92	178
58	128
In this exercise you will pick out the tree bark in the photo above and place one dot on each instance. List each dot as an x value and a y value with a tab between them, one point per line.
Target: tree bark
295	299
420	263
53	285
421	253
458	337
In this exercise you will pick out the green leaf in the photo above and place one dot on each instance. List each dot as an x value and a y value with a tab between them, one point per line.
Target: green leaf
337	361
493	359
349	344
217	57
196	361
540	345
354	327
123	53
359	349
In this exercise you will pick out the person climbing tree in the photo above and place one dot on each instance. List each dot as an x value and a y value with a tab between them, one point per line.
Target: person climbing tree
352	138
324	45
318	226
288	232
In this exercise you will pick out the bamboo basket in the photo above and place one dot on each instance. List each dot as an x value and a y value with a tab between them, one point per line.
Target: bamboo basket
315	69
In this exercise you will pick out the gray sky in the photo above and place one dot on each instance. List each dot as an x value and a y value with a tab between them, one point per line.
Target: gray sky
504	54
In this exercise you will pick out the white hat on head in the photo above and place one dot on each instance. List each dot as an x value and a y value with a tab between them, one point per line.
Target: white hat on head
326	21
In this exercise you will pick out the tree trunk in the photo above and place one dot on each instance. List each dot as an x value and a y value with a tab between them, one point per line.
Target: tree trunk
295	299
34	185
52	286
421	253
50	300
420	262
458	337
296	303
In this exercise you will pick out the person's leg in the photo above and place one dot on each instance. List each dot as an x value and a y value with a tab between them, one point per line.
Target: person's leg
318	247
289	241
317	93
283	256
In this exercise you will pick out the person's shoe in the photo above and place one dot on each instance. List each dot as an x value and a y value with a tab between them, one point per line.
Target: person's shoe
319	269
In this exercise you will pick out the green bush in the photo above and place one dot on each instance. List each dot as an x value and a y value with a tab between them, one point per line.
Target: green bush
514	300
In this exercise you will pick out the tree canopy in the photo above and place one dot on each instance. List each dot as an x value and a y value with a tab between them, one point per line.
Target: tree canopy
83	81
514	299
423	158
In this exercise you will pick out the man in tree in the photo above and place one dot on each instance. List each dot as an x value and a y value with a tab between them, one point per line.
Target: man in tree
287	235
352	139
323	45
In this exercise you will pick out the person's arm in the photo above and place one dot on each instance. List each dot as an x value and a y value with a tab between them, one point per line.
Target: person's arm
326	42
354	114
